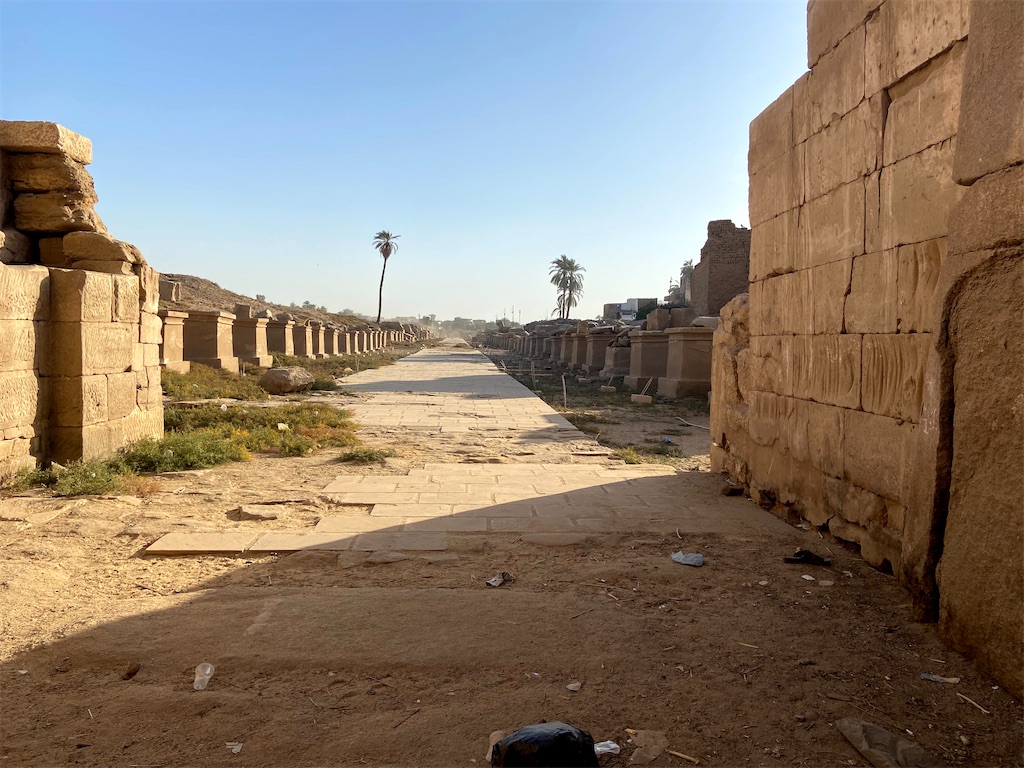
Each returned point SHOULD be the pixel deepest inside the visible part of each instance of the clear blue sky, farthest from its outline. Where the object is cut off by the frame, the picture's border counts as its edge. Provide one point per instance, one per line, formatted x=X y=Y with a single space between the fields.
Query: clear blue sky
x=262 y=144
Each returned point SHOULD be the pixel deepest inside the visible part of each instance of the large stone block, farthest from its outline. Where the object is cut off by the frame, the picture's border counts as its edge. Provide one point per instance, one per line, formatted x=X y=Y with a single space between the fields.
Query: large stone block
x=688 y=367
x=121 y=394
x=846 y=150
x=108 y=267
x=777 y=187
x=78 y=349
x=48 y=138
x=24 y=292
x=52 y=212
x=51 y=252
x=78 y=295
x=829 y=285
x=149 y=288
x=924 y=106
x=917 y=195
x=918 y=269
x=22 y=344
x=824 y=436
x=150 y=329
x=905 y=34
x=834 y=87
x=829 y=21
x=832 y=226
x=990 y=213
x=48 y=173
x=871 y=306
x=126 y=299
x=79 y=401
x=827 y=369
x=19 y=398
x=771 y=133
x=775 y=246
x=95 y=246
x=877 y=452
x=15 y=248
x=893 y=374
x=782 y=304
x=991 y=133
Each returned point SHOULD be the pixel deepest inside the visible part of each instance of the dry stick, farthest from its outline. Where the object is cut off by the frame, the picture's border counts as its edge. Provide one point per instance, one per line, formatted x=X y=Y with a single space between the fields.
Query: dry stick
x=698 y=426
x=581 y=613
x=405 y=718
x=969 y=700
x=648 y=386
x=693 y=760
x=565 y=397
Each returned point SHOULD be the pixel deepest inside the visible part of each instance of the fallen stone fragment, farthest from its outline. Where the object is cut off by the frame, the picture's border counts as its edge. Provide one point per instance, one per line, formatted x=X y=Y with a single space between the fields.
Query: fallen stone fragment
x=280 y=381
x=384 y=557
x=883 y=749
x=695 y=559
x=651 y=744
x=574 y=686
x=253 y=512
x=132 y=671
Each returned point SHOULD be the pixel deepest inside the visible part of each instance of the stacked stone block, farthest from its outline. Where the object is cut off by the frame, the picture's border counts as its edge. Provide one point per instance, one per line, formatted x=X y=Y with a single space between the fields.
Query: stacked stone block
x=79 y=370
x=209 y=340
x=249 y=338
x=172 y=341
x=884 y=307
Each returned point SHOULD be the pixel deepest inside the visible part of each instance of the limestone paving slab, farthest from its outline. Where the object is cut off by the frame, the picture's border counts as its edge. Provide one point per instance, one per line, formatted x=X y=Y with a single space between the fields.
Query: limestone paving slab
x=192 y=543
x=289 y=541
x=410 y=541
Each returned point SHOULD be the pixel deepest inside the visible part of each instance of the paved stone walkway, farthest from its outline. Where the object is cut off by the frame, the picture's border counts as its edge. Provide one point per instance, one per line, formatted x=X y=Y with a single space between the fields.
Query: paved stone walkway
x=446 y=390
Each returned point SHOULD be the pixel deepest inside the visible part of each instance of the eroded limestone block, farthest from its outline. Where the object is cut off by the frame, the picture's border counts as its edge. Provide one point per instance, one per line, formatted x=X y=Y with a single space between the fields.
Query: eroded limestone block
x=777 y=187
x=48 y=173
x=280 y=381
x=121 y=394
x=149 y=288
x=126 y=298
x=829 y=21
x=77 y=401
x=832 y=88
x=829 y=285
x=78 y=348
x=99 y=247
x=56 y=212
x=894 y=370
x=917 y=195
x=51 y=252
x=991 y=213
x=876 y=452
x=832 y=226
x=19 y=398
x=917 y=279
x=150 y=328
x=846 y=150
x=771 y=133
x=49 y=138
x=871 y=306
x=22 y=343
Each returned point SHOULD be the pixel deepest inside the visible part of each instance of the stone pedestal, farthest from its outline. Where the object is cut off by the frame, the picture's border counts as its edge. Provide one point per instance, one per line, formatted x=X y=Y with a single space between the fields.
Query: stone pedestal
x=565 y=353
x=172 y=341
x=616 y=362
x=546 y=349
x=302 y=336
x=331 y=341
x=316 y=331
x=688 y=368
x=597 y=343
x=346 y=342
x=578 y=356
x=208 y=340
x=250 y=341
x=279 y=337
x=648 y=358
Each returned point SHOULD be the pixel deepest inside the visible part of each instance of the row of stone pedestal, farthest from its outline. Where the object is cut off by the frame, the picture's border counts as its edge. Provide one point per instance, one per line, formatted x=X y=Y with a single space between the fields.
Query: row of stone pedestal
x=673 y=362
x=225 y=340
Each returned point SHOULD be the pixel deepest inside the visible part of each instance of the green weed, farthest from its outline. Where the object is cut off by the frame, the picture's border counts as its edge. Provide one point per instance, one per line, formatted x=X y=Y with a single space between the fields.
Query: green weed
x=366 y=455
x=205 y=383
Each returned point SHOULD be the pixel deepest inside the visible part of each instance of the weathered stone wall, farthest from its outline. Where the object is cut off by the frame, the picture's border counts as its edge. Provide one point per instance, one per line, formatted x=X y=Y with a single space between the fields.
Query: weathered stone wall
x=881 y=311
x=79 y=333
x=722 y=272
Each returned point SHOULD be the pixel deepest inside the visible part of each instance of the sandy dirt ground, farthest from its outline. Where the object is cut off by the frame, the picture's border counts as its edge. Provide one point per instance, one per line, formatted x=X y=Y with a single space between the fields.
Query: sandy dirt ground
x=332 y=659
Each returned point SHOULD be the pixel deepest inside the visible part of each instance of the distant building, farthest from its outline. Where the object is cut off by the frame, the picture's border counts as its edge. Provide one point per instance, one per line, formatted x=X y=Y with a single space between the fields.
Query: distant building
x=627 y=310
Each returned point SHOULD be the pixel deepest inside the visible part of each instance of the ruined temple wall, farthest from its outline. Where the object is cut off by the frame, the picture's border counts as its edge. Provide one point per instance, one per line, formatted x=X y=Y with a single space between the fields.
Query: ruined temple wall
x=722 y=272
x=851 y=187
x=79 y=333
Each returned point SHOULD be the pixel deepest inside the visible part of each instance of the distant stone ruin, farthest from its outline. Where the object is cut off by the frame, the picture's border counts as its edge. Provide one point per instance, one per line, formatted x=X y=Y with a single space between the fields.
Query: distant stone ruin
x=723 y=269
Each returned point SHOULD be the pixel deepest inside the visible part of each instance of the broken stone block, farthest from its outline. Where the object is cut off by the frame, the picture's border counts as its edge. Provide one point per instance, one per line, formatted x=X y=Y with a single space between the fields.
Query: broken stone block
x=15 y=248
x=169 y=290
x=26 y=292
x=44 y=137
x=82 y=296
x=149 y=287
x=256 y=512
x=78 y=348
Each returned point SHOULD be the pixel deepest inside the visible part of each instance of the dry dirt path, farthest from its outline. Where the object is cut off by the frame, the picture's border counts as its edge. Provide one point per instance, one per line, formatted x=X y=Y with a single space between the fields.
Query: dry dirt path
x=380 y=644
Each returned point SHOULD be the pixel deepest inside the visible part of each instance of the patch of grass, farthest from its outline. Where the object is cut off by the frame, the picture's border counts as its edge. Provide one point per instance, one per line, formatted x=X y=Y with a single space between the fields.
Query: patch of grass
x=26 y=478
x=204 y=383
x=330 y=368
x=179 y=451
x=629 y=455
x=366 y=455
x=324 y=384
x=694 y=405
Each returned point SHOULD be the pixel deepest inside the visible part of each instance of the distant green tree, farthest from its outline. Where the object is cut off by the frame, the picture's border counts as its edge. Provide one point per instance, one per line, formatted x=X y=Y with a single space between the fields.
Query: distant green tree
x=385 y=244
x=567 y=276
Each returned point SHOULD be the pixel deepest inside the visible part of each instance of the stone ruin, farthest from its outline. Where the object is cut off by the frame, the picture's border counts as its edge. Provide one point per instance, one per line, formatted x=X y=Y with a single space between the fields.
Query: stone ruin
x=871 y=382
x=723 y=269
x=79 y=333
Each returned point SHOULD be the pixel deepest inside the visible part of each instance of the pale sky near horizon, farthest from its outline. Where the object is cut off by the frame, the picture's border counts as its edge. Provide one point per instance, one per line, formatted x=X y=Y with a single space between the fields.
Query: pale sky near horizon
x=262 y=144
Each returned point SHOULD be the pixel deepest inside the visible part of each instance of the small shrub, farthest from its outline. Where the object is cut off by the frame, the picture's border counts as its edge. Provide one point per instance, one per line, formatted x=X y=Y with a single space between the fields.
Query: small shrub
x=27 y=478
x=695 y=405
x=92 y=478
x=324 y=384
x=180 y=451
x=366 y=455
x=204 y=383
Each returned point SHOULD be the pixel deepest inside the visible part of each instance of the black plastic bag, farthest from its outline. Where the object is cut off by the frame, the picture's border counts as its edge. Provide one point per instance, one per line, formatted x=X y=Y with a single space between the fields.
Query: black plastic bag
x=545 y=745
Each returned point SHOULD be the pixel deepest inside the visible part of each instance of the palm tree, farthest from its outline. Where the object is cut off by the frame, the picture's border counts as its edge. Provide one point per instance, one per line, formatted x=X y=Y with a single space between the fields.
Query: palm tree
x=385 y=243
x=567 y=276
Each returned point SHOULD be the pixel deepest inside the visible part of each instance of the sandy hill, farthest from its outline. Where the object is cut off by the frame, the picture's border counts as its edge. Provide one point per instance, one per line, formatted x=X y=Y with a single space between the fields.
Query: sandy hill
x=197 y=293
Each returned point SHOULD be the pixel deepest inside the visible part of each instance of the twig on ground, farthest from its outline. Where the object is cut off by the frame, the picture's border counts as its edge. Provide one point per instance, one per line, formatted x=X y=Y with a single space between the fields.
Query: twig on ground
x=405 y=718
x=969 y=700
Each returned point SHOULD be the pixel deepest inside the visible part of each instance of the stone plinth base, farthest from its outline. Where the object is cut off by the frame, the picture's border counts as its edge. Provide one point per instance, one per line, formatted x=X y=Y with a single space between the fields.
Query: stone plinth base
x=263 y=361
x=227 y=363
x=640 y=382
x=178 y=366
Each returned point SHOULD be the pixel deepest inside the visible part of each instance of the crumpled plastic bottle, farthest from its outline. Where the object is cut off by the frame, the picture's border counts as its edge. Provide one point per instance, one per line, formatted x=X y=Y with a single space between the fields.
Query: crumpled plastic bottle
x=203 y=674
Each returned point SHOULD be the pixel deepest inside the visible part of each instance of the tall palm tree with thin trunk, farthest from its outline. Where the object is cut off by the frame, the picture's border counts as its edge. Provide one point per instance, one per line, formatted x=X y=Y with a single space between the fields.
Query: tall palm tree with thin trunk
x=385 y=243
x=567 y=276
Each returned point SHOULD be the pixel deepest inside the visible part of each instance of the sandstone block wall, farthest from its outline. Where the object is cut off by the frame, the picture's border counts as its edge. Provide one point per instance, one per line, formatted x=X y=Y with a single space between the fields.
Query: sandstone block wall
x=723 y=269
x=79 y=333
x=874 y=282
